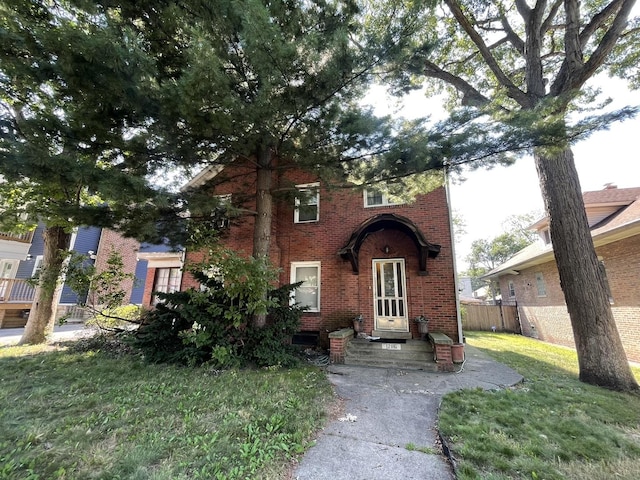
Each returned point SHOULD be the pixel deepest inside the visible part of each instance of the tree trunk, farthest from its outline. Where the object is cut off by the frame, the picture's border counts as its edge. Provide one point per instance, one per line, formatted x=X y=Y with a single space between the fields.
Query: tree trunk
x=264 y=216
x=45 y=302
x=601 y=358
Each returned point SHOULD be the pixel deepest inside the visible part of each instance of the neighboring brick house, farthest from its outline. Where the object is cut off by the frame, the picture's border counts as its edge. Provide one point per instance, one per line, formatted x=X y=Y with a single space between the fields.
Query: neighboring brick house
x=356 y=252
x=21 y=261
x=531 y=278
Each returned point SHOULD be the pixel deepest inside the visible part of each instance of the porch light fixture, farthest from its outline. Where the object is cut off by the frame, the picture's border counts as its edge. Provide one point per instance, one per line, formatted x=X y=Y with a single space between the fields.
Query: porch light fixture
x=386 y=249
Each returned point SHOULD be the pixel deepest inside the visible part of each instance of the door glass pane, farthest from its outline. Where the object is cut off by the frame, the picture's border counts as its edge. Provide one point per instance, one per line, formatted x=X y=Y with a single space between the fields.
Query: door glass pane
x=379 y=307
x=389 y=280
x=386 y=308
x=378 y=281
x=394 y=309
x=399 y=270
x=401 y=305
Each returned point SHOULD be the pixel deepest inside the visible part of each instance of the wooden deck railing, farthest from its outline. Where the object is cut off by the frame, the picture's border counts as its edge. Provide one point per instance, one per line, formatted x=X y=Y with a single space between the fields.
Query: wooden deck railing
x=13 y=290
x=17 y=237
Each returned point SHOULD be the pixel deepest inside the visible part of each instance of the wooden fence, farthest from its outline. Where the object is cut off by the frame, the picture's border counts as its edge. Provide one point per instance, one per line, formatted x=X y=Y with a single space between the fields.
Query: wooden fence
x=501 y=318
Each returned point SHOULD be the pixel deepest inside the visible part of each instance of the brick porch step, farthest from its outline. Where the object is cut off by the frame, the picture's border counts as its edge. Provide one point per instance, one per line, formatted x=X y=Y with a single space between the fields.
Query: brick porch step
x=413 y=355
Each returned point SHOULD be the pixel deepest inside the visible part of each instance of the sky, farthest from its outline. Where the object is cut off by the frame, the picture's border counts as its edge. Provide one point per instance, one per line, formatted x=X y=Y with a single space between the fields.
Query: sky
x=487 y=197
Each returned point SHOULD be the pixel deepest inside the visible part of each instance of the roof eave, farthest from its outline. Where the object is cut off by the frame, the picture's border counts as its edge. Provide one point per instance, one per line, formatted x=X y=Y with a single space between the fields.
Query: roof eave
x=610 y=236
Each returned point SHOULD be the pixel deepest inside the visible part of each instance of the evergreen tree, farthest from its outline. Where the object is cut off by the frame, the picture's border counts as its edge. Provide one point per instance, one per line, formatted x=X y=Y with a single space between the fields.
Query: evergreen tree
x=521 y=68
x=273 y=85
x=73 y=137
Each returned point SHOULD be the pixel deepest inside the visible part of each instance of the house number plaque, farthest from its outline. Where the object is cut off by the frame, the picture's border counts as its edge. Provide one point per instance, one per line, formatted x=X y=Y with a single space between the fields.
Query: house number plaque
x=391 y=346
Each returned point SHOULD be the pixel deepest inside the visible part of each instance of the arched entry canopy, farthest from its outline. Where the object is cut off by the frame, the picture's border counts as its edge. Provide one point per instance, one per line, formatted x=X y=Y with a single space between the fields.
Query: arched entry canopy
x=394 y=222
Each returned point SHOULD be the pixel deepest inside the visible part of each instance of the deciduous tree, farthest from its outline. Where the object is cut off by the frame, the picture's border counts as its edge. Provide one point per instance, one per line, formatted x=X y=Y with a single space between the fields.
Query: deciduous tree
x=525 y=67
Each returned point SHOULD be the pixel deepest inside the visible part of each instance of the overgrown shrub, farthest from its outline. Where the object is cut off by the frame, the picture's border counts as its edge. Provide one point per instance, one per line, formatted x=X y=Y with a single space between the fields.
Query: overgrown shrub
x=214 y=324
x=116 y=318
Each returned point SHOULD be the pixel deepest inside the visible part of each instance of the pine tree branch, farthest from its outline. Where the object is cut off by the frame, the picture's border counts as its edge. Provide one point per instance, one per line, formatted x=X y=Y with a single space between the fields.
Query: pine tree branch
x=548 y=22
x=512 y=36
x=512 y=90
x=569 y=80
x=523 y=9
x=470 y=95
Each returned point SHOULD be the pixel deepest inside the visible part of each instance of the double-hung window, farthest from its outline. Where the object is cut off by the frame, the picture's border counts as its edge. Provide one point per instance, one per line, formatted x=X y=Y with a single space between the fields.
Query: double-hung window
x=375 y=198
x=307 y=203
x=308 y=293
x=167 y=281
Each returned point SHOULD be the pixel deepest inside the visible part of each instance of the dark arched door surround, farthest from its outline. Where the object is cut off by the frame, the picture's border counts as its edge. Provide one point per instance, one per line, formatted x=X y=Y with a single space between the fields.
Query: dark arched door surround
x=393 y=222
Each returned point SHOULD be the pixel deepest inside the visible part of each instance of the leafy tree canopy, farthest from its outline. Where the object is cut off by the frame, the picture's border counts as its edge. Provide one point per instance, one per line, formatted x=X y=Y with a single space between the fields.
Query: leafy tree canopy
x=74 y=112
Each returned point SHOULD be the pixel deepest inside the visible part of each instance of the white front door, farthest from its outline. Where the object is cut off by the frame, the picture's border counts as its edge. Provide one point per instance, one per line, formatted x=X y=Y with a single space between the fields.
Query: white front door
x=390 y=297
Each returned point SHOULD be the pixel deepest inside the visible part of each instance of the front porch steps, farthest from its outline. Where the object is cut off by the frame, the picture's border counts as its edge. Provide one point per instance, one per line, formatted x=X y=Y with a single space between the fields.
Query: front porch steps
x=413 y=355
x=385 y=334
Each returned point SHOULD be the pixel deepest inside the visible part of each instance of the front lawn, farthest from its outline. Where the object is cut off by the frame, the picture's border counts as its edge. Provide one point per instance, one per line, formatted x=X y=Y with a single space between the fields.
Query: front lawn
x=550 y=427
x=72 y=415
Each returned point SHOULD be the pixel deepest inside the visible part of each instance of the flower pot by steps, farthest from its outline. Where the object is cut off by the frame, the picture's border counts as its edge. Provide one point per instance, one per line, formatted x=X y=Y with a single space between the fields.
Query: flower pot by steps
x=457 y=353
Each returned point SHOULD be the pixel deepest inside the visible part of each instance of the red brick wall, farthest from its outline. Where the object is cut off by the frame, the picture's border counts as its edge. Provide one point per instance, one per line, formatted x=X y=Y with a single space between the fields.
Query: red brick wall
x=344 y=294
x=126 y=247
x=547 y=317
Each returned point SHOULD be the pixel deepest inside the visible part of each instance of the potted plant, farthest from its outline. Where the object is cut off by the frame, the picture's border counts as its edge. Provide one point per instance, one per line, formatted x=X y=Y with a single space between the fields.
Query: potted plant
x=423 y=325
x=357 y=324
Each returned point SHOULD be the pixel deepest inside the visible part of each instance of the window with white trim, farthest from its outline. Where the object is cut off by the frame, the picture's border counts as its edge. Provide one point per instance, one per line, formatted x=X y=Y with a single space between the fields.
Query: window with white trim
x=375 y=198
x=545 y=235
x=167 y=281
x=307 y=294
x=512 y=289
x=541 y=286
x=307 y=204
x=37 y=266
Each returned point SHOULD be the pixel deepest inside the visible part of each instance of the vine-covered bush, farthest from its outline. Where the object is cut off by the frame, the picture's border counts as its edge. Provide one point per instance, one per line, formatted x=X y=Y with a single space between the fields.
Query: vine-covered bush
x=214 y=324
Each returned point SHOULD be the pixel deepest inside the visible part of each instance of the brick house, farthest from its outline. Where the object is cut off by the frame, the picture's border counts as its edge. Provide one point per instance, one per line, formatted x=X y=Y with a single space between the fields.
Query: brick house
x=356 y=252
x=530 y=278
x=21 y=258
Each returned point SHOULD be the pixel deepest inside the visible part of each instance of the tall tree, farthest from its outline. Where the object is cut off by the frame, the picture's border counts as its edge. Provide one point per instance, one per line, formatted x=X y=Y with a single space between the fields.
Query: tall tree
x=72 y=123
x=525 y=65
x=270 y=84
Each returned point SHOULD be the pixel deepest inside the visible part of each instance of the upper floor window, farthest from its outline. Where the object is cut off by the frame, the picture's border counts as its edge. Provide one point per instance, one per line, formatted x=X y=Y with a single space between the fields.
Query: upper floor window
x=374 y=198
x=541 y=286
x=307 y=204
x=221 y=212
x=546 y=236
x=37 y=266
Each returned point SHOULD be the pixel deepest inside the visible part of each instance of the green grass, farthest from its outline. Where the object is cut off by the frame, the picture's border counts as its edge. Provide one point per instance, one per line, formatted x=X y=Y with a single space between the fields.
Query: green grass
x=552 y=426
x=69 y=415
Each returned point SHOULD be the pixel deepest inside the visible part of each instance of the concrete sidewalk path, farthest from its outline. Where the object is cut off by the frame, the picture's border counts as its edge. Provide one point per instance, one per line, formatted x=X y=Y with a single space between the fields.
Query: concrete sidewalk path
x=390 y=414
x=68 y=331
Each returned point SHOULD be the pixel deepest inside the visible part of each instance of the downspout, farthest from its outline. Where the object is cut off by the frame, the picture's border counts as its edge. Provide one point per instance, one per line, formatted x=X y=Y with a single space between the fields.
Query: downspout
x=453 y=252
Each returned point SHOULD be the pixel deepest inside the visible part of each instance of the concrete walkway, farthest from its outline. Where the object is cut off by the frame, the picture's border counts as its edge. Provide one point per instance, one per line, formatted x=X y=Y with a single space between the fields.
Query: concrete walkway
x=69 y=331
x=389 y=414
